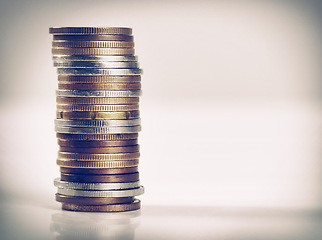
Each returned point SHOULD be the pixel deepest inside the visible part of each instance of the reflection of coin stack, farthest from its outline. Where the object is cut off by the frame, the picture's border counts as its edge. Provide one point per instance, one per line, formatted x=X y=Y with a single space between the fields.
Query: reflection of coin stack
x=98 y=120
x=71 y=225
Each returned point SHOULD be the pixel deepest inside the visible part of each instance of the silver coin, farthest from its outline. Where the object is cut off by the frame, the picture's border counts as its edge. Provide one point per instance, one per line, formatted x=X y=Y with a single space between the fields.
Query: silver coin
x=95 y=186
x=124 y=58
x=97 y=130
x=101 y=193
x=94 y=64
x=97 y=123
x=98 y=93
x=99 y=71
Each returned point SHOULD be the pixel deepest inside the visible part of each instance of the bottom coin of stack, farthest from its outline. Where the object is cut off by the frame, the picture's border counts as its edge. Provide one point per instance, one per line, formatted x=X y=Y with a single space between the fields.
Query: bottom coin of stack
x=98 y=174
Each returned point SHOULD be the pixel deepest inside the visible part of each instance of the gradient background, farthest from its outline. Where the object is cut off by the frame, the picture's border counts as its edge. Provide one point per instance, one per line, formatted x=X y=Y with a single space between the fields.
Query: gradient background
x=231 y=105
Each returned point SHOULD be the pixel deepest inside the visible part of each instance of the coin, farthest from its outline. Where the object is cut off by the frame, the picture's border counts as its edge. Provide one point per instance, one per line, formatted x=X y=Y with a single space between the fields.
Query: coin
x=97 y=123
x=93 y=44
x=111 y=193
x=97 y=164
x=109 y=37
x=99 y=137
x=92 y=51
x=92 y=201
x=99 y=108
x=98 y=115
x=99 y=79
x=98 y=157
x=95 y=64
x=96 y=144
x=98 y=86
x=99 y=71
x=123 y=149
x=98 y=93
x=99 y=170
x=136 y=205
x=97 y=130
x=95 y=186
x=103 y=79
x=97 y=58
x=107 y=178
x=90 y=30
x=97 y=100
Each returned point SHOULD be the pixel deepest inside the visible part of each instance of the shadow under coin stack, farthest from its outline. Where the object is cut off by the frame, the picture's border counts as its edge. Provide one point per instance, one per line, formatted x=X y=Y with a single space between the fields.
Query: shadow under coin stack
x=98 y=118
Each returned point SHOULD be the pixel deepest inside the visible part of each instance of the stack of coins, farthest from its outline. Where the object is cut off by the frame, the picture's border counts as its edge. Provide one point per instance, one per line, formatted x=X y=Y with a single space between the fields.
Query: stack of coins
x=98 y=118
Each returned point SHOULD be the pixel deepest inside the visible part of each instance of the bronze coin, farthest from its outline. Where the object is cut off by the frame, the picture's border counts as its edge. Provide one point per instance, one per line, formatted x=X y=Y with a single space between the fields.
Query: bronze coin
x=100 y=178
x=108 y=37
x=135 y=205
x=92 y=201
x=96 y=144
x=99 y=137
x=99 y=170
x=128 y=149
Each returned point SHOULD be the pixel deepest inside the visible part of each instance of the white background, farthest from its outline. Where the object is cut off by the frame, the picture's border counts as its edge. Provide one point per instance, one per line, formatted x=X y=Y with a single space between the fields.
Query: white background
x=230 y=108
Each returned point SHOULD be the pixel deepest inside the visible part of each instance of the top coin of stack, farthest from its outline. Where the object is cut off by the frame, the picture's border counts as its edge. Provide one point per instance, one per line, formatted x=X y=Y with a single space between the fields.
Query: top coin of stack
x=98 y=118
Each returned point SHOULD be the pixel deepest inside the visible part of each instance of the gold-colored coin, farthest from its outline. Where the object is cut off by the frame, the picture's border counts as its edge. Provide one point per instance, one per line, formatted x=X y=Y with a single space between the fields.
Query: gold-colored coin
x=97 y=137
x=92 y=200
x=89 y=171
x=90 y=30
x=99 y=79
x=93 y=51
x=98 y=156
x=97 y=164
x=122 y=149
x=98 y=115
x=124 y=207
x=97 y=108
x=96 y=144
x=108 y=37
x=96 y=100
x=99 y=86
x=93 y=44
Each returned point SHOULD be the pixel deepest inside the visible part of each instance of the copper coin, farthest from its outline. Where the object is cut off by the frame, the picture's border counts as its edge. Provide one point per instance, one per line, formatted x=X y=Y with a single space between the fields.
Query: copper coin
x=103 y=208
x=99 y=86
x=103 y=137
x=100 y=178
x=127 y=149
x=99 y=79
x=96 y=144
x=92 y=201
x=90 y=171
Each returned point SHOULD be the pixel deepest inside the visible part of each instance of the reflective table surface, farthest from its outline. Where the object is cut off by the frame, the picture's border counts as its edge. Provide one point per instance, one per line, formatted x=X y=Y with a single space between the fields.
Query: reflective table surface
x=27 y=221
